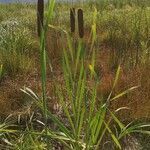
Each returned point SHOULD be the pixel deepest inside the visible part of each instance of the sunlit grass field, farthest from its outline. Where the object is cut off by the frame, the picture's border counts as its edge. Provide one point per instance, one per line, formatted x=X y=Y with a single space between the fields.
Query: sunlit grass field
x=61 y=91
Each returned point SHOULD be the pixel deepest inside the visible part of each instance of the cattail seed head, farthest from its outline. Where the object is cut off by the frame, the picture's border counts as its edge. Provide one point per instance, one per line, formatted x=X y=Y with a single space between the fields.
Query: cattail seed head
x=40 y=16
x=80 y=23
x=72 y=20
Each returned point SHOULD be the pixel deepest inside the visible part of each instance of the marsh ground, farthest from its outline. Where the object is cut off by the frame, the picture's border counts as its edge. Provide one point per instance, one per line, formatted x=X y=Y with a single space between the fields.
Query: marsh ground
x=123 y=37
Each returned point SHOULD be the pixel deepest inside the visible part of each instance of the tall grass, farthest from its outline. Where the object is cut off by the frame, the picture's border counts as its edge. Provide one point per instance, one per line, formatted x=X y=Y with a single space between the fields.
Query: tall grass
x=15 y=43
x=126 y=33
x=87 y=118
x=118 y=4
x=122 y=30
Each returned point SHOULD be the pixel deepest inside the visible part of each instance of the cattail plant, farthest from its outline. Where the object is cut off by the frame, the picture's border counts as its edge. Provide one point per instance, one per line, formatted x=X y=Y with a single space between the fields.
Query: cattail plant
x=40 y=15
x=80 y=23
x=72 y=20
x=1 y=71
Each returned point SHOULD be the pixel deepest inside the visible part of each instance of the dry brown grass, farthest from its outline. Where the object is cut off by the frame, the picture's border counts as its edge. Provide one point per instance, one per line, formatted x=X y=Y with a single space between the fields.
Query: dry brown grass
x=137 y=101
x=12 y=100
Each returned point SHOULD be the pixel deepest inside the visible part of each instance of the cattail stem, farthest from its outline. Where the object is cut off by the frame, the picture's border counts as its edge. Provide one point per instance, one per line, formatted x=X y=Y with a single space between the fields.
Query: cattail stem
x=80 y=23
x=40 y=16
x=72 y=20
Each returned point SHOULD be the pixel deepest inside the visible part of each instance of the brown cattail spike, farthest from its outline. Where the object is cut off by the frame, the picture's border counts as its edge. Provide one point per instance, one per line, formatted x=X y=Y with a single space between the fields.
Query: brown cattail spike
x=72 y=19
x=40 y=16
x=80 y=23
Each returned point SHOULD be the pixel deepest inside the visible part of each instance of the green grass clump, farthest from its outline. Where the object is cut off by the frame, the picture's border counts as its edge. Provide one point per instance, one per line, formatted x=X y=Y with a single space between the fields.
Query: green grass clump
x=15 y=43
x=126 y=30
